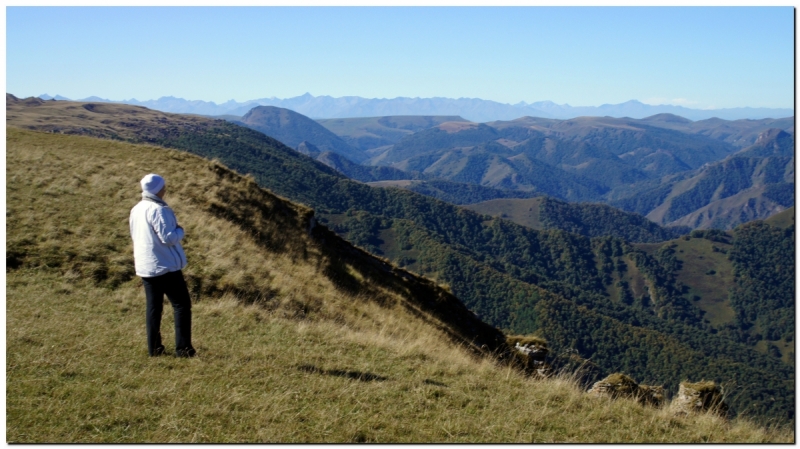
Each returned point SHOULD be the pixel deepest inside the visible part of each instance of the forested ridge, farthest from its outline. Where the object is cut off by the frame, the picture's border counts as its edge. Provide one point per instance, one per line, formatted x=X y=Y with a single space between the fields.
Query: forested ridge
x=637 y=165
x=570 y=289
x=595 y=220
x=463 y=193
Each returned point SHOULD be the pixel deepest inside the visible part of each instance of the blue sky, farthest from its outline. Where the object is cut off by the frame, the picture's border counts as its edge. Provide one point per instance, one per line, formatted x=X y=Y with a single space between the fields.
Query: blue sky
x=708 y=57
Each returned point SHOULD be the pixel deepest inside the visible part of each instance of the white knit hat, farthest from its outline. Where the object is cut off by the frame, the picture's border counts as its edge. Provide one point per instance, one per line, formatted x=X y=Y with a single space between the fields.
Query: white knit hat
x=152 y=183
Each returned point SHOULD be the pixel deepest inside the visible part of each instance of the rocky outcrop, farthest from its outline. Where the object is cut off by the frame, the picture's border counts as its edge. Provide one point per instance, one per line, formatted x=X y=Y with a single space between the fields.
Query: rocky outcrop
x=651 y=395
x=582 y=371
x=532 y=354
x=699 y=397
x=619 y=385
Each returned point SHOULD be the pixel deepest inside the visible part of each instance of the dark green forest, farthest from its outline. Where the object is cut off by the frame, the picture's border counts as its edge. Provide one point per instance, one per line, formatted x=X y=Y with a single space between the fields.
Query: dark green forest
x=763 y=295
x=595 y=220
x=462 y=193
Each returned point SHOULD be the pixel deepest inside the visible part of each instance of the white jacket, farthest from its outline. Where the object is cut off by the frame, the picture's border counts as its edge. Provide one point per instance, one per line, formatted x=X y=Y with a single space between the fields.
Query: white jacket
x=156 y=238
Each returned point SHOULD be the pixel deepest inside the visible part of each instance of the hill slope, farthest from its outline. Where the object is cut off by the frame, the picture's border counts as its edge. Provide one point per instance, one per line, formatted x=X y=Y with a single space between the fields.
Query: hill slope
x=753 y=183
x=245 y=246
x=292 y=128
x=739 y=133
x=578 y=292
x=292 y=348
x=742 y=280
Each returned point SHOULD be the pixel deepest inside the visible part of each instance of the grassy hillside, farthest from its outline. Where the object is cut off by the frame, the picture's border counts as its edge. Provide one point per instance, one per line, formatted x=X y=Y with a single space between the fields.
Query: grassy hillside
x=300 y=339
x=569 y=288
x=782 y=219
x=521 y=211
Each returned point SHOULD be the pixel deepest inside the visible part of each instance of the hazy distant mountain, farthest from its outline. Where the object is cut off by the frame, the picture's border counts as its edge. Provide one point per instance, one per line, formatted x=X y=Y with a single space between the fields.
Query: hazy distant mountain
x=179 y=105
x=636 y=109
x=366 y=133
x=474 y=109
x=292 y=129
x=739 y=133
x=601 y=147
x=579 y=159
x=57 y=97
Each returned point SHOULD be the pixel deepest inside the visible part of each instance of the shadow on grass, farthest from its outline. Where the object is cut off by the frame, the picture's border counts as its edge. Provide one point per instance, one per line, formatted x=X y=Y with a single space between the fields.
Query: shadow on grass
x=355 y=375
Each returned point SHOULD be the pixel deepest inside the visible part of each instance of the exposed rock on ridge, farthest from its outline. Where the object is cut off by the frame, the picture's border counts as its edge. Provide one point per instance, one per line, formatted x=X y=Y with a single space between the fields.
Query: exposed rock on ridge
x=619 y=385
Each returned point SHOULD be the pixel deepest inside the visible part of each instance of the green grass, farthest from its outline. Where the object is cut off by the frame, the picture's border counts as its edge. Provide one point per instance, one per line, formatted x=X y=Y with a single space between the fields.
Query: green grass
x=285 y=353
x=698 y=259
x=523 y=212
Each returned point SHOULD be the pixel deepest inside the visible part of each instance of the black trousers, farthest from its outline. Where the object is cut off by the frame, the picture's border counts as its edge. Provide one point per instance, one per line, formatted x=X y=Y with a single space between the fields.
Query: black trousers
x=174 y=286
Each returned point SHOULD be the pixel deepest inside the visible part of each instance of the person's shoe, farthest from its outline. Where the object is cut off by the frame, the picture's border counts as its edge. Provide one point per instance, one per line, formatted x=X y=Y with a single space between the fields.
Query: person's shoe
x=158 y=351
x=186 y=352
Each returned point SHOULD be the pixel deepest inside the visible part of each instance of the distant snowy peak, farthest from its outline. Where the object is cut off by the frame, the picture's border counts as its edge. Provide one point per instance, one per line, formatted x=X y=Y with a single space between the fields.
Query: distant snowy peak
x=474 y=109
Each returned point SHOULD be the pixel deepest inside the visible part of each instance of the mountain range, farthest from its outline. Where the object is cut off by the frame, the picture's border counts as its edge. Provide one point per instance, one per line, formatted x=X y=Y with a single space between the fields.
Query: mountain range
x=755 y=182
x=651 y=166
x=623 y=306
x=473 y=109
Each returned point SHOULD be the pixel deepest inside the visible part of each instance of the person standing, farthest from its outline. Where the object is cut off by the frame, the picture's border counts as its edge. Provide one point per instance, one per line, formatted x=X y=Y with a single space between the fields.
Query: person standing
x=159 y=260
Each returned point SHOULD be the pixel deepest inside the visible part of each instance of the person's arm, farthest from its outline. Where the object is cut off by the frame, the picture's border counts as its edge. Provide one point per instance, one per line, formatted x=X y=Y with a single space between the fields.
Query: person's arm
x=166 y=226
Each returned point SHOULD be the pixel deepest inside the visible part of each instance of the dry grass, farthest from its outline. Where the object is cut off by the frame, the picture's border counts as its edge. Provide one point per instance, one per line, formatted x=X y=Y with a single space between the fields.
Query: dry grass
x=454 y=127
x=286 y=354
x=77 y=372
x=107 y=120
x=782 y=219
